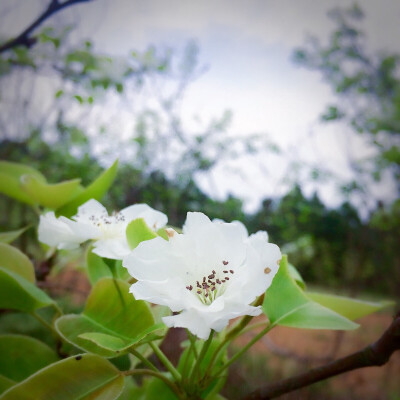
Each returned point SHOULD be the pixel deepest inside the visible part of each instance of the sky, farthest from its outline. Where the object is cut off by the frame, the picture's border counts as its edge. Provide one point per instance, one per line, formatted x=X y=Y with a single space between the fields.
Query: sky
x=247 y=49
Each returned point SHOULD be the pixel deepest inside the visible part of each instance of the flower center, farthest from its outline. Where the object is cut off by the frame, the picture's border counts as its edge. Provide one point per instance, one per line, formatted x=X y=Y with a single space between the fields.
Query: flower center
x=110 y=225
x=212 y=285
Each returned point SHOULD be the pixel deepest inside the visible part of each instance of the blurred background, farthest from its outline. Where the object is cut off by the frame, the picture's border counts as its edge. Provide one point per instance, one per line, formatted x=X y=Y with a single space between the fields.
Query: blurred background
x=283 y=115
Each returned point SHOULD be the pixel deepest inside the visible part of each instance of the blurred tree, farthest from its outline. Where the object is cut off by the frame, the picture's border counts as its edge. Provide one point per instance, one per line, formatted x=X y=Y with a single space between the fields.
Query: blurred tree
x=367 y=86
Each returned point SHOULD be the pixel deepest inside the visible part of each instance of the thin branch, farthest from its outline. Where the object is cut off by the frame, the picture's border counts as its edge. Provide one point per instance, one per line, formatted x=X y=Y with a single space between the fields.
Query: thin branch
x=376 y=354
x=24 y=38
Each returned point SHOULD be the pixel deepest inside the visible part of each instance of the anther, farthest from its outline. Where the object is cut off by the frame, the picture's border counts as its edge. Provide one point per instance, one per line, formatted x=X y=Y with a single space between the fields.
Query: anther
x=213 y=272
x=227 y=278
x=225 y=262
x=231 y=271
x=211 y=276
x=199 y=292
x=267 y=270
x=213 y=288
x=225 y=272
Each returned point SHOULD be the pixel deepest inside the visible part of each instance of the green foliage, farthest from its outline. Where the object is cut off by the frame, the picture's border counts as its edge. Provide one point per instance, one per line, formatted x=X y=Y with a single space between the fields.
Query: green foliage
x=97 y=268
x=85 y=377
x=96 y=190
x=21 y=356
x=10 y=180
x=50 y=195
x=349 y=308
x=108 y=329
x=17 y=293
x=14 y=260
x=10 y=236
x=286 y=304
x=368 y=81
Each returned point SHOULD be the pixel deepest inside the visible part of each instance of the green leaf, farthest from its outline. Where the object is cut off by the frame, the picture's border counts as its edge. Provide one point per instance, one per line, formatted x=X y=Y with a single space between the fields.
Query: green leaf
x=14 y=260
x=348 y=307
x=295 y=274
x=96 y=267
x=10 y=236
x=50 y=195
x=112 y=321
x=10 y=183
x=5 y=383
x=286 y=304
x=83 y=377
x=96 y=190
x=138 y=231
x=21 y=356
x=17 y=293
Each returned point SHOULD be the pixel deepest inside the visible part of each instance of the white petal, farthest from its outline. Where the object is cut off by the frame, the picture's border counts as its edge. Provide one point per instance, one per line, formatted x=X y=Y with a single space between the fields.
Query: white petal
x=170 y=292
x=55 y=232
x=154 y=260
x=86 y=210
x=115 y=248
x=154 y=219
x=194 y=221
x=191 y=320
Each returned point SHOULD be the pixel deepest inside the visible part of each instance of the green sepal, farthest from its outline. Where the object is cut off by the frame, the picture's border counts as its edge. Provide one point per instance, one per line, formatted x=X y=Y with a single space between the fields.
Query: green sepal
x=138 y=231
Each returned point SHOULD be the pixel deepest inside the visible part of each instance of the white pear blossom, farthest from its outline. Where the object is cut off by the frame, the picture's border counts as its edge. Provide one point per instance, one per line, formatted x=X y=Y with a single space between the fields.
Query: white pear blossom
x=211 y=272
x=93 y=222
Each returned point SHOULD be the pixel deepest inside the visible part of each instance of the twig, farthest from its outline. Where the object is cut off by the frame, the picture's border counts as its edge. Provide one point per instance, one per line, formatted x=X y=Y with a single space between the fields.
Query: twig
x=375 y=354
x=24 y=38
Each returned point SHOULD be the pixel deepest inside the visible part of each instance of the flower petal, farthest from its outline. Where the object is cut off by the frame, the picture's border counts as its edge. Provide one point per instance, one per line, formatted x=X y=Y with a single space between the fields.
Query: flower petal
x=57 y=232
x=154 y=219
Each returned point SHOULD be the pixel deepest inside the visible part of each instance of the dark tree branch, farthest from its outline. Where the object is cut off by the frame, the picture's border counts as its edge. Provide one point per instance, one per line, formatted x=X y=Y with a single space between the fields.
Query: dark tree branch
x=376 y=354
x=24 y=38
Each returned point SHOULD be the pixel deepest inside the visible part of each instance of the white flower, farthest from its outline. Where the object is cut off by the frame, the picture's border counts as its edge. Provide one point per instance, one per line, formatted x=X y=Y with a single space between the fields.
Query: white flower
x=93 y=222
x=211 y=272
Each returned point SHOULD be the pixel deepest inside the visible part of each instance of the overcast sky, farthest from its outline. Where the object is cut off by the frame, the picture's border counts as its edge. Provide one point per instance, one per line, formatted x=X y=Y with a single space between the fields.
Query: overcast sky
x=247 y=47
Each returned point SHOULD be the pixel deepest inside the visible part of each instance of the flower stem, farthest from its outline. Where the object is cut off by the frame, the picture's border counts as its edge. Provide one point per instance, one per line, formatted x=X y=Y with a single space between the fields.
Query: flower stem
x=203 y=352
x=156 y=374
x=167 y=364
x=244 y=349
x=144 y=360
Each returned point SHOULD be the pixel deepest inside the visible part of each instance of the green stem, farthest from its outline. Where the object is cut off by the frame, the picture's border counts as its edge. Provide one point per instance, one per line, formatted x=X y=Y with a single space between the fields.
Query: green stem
x=144 y=360
x=156 y=374
x=162 y=357
x=203 y=352
x=244 y=349
x=192 y=343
